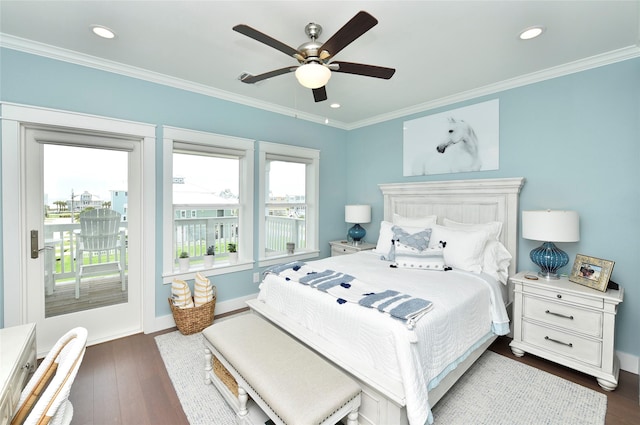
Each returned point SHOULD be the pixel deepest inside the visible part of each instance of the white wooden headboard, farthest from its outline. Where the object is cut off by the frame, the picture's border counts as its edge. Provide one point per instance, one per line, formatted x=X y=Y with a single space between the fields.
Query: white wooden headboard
x=465 y=201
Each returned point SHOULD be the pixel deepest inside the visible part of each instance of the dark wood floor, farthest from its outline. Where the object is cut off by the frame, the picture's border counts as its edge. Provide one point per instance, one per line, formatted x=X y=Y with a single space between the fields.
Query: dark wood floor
x=125 y=382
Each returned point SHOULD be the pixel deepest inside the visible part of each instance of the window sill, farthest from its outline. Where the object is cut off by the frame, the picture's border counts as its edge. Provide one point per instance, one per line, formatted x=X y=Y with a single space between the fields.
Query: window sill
x=286 y=258
x=221 y=268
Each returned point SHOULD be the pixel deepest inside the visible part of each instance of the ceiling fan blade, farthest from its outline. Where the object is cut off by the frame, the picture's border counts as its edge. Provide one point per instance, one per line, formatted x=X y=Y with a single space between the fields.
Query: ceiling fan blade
x=250 y=79
x=320 y=94
x=362 y=69
x=353 y=29
x=265 y=39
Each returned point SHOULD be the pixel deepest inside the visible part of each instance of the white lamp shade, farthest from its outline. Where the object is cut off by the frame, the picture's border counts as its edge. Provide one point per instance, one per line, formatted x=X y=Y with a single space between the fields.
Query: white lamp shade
x=313 y=75
x=357 y=214
x=551 y=226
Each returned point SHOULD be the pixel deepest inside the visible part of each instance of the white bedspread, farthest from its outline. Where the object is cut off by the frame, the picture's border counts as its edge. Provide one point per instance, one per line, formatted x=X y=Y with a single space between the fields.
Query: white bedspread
x=464 y=307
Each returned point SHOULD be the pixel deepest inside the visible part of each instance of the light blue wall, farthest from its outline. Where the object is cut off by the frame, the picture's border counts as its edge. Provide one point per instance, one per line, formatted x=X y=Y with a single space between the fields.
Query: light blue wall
x=33 y=80
x=576 y=140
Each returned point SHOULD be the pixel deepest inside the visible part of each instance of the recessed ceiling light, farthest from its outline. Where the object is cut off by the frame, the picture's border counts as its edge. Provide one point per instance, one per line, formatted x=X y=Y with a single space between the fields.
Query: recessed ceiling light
x=103 y=32
x=531 y=32
x=335 y=105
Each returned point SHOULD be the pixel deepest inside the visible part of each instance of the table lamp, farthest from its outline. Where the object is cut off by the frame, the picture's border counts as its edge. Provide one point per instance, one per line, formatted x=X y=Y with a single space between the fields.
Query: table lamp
x=357 y=214
x=550 y=226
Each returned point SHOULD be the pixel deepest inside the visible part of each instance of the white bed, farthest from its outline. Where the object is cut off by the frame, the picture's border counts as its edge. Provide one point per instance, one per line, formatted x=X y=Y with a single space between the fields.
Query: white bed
x=380 y=352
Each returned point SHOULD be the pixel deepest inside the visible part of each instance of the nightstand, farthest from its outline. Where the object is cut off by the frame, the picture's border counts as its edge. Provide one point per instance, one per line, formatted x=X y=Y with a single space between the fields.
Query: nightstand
x=567 y=323
x=344 y=247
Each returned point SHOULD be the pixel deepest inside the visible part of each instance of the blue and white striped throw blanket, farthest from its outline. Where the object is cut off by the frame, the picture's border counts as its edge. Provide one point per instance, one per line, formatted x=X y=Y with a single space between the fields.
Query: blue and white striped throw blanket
x=346 y=288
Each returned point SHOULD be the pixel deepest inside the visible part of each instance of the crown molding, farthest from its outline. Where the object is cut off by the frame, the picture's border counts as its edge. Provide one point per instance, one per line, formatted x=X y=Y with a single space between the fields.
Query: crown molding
x=608 y=58
x=45 y=50
x=70 y=56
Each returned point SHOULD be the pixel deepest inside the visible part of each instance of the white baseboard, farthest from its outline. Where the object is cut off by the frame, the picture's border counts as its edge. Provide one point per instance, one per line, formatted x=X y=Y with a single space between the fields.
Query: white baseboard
x=628 y=362
x=165 y=322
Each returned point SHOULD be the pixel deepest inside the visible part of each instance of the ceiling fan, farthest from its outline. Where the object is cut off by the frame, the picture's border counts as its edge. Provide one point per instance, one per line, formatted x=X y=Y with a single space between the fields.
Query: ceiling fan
x=314 y=69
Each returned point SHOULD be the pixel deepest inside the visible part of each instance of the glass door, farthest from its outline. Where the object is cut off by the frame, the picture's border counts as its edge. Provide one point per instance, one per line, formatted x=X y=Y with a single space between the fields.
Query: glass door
x=81 y=255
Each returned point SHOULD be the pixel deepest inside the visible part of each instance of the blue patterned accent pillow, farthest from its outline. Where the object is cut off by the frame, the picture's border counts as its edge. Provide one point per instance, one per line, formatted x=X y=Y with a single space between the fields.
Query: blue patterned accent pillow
x=419 y=240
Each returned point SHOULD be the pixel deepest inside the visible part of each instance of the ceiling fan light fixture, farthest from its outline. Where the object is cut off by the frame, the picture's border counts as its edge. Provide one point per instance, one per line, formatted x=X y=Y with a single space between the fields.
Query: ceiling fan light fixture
x=313 y=75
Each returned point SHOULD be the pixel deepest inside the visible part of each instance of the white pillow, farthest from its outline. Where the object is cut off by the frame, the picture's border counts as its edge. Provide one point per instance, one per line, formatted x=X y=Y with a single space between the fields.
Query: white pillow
x=413 y=258
x=423 y=222
x=464 y=249
x=493 y=227
x=496 y=261
x=496 y=258
x=386 y=235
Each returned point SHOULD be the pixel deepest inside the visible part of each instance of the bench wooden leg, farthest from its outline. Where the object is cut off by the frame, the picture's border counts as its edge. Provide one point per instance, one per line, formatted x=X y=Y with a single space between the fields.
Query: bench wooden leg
x=207 y=366
x=352 y=418
x=243 y=398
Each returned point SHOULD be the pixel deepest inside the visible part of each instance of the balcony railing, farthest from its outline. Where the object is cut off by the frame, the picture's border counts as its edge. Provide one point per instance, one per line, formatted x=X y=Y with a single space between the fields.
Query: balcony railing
x=192 y=235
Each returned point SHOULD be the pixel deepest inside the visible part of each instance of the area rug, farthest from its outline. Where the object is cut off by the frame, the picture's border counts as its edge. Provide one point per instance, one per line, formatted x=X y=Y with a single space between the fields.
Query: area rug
x=496 y=390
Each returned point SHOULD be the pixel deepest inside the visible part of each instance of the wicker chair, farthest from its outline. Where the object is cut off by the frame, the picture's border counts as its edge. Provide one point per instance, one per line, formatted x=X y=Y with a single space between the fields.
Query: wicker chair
x=45 y=398
x=100 y=232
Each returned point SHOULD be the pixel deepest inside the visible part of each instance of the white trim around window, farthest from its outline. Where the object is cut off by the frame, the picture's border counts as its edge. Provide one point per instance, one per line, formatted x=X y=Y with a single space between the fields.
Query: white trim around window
x=311 y=158
x=209 y=144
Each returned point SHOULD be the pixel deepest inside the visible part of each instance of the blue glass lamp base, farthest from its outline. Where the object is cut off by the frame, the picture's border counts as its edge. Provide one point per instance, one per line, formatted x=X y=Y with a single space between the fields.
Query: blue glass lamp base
x=549 y=258
x=356 y=233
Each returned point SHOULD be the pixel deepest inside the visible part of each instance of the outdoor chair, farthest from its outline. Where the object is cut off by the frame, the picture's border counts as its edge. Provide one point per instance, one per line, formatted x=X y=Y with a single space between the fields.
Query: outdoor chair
x=100 y=234
x=45 y=398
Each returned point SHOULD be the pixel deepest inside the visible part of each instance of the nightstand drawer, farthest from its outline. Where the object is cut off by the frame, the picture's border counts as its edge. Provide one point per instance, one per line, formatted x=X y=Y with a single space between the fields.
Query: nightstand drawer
x=342 y=250
x=563 y=315
x=596 y=302
x=563 y=343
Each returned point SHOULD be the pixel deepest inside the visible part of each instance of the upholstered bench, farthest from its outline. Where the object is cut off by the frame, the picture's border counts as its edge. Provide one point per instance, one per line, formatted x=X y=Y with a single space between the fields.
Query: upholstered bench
x=289 y=382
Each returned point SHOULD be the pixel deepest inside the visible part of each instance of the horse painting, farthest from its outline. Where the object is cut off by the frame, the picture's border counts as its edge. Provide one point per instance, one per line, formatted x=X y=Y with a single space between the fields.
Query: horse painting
x=460 y=135
x=460 y=140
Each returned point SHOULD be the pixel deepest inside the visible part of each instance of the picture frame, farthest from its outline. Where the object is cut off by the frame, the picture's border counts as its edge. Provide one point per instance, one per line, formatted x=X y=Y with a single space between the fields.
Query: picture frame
x=592 y=272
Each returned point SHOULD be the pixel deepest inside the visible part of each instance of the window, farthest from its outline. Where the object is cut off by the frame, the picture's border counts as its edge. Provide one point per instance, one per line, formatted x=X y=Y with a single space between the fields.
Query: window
x=208 y=199
x=289 y=200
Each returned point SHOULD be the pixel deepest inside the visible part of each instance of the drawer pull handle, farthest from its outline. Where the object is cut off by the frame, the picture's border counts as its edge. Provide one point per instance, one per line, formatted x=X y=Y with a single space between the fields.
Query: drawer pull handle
x=570 y=345
x=559 y=315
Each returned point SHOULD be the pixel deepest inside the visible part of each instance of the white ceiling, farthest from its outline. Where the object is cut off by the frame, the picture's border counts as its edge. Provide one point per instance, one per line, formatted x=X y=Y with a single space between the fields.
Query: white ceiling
x=443 y=51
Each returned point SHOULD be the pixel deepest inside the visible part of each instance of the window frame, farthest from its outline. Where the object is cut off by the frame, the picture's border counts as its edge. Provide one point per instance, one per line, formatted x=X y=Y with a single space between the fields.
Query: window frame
x=311 y=157
x=208 y=142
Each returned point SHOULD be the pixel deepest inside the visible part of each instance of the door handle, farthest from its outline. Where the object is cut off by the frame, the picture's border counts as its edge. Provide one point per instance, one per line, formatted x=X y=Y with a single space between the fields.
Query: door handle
x=34 y=244
x=35 y=251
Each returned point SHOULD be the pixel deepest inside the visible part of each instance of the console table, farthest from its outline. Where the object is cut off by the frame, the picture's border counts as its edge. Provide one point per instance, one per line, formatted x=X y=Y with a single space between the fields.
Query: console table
x=17 y=364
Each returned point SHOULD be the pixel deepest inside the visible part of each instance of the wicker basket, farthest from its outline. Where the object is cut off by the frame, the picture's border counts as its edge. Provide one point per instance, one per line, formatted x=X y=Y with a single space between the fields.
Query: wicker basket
x=223 y=374
x=195 y=319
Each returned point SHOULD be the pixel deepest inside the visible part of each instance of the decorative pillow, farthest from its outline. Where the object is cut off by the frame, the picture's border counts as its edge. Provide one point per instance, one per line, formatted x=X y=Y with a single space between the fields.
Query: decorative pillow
x=496 y=261
x=413 y=258
x=418 y=240
x=423 y=222
x=181 y=294
x=202 y=290
x=464 y=249
x=383 y=247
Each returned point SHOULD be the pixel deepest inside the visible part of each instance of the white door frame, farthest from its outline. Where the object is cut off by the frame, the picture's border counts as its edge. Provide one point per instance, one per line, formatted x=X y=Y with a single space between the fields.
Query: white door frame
x=14 y=237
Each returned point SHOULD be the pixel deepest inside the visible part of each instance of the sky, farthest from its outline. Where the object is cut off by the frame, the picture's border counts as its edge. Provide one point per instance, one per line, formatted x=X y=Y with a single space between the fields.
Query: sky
x=98 y=171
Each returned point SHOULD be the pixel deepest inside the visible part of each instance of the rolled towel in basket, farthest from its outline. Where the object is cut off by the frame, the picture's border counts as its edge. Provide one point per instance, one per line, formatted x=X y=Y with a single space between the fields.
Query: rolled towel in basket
x=202 y=290
x=181 y=294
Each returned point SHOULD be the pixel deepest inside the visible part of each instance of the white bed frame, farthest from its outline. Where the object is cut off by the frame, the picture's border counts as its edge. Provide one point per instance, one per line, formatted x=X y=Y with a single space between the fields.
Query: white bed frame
x=466 y=201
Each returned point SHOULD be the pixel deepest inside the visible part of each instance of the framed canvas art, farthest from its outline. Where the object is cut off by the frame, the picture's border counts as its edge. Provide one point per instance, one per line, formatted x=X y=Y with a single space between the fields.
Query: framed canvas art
x=460 y=140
